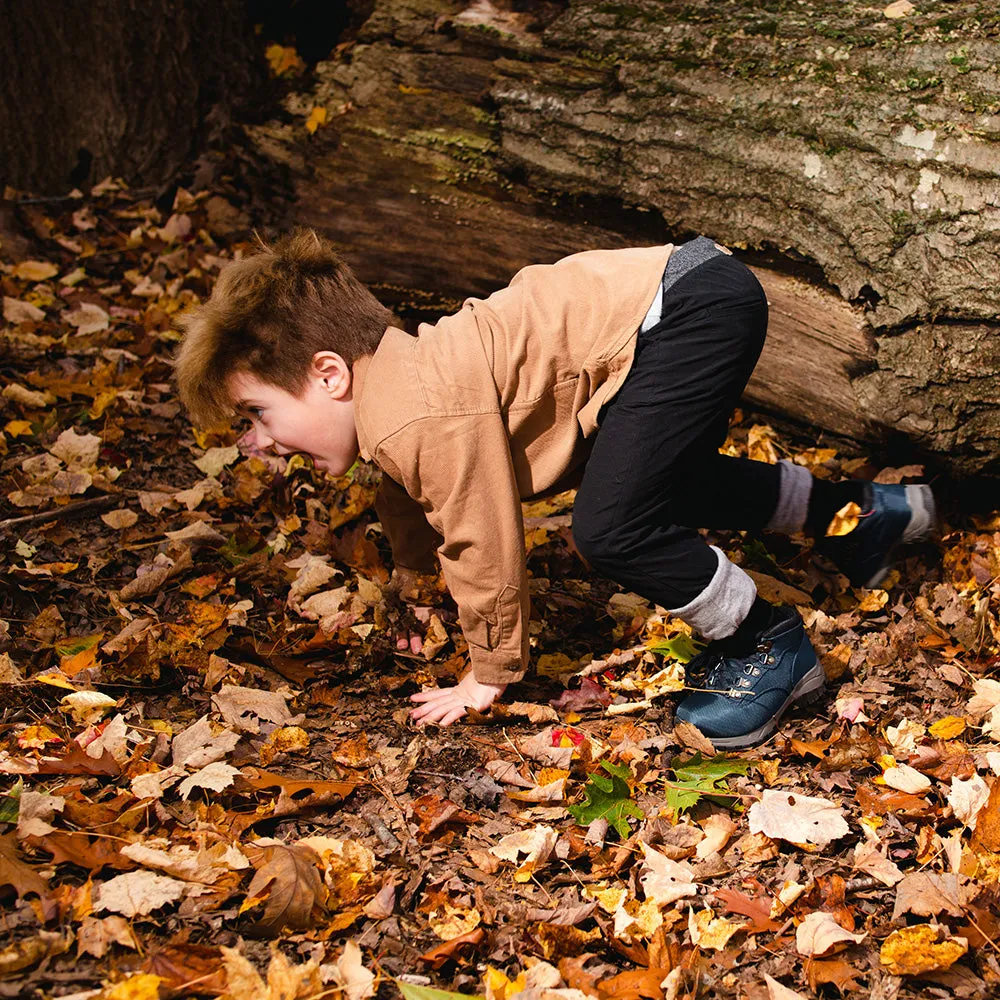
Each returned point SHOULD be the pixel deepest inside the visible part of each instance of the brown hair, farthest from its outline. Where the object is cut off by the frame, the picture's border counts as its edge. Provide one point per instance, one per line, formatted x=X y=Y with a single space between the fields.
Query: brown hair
x=268 y=314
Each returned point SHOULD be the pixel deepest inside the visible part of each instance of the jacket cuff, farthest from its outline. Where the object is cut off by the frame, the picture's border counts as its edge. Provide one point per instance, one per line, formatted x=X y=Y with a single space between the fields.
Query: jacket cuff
x=490 y=668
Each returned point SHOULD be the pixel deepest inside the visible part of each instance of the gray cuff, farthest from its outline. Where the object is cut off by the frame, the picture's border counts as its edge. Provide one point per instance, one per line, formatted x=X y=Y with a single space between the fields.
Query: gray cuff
x=721 y=607
x=794 y=489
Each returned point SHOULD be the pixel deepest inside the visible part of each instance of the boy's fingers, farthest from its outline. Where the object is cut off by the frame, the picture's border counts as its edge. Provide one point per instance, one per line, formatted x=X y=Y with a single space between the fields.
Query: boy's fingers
x=416 y=643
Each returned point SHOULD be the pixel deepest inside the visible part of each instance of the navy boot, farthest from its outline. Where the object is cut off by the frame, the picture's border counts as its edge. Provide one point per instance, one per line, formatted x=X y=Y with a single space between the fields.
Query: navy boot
x=745 y=692
x=890 y=516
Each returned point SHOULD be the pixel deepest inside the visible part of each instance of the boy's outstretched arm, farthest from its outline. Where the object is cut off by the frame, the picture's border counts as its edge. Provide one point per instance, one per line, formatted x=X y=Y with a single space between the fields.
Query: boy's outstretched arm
x=459 y=469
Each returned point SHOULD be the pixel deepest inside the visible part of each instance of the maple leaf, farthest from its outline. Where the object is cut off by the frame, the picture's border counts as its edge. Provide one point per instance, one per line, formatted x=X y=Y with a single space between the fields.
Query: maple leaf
x=699 y=778
x=608 y=797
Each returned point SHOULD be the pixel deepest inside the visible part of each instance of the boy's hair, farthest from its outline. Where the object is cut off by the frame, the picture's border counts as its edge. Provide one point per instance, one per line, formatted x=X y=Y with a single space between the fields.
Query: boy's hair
x=268 y=314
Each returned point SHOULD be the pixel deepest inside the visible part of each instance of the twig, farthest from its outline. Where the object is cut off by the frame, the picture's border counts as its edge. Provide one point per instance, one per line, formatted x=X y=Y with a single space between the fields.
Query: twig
x=70 y=510
x=383 y=832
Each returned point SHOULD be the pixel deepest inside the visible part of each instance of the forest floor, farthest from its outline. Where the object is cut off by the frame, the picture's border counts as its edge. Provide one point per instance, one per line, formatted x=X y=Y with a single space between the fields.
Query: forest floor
x=211 y=786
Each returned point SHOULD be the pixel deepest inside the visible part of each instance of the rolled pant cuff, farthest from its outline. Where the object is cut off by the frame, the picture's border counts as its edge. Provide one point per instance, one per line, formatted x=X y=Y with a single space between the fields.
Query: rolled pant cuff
x=721 y=607
x=794 y=490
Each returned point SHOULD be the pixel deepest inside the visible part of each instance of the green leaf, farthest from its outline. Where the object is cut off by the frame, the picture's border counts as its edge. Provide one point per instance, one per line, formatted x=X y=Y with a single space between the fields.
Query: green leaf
x=10 y=804
x=608 y=797
x=411 y=992
x=681 y=648
x=74 y=644
x=699 y=778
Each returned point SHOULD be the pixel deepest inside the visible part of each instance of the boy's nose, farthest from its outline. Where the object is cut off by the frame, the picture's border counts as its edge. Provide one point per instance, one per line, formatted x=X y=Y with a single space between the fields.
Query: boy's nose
x=254 y=440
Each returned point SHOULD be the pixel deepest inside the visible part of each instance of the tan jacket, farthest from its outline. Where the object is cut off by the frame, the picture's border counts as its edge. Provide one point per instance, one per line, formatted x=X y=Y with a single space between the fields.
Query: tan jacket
x=491 y=406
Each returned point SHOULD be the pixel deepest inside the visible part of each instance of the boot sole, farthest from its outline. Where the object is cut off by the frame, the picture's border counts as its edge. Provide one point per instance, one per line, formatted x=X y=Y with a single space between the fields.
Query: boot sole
x=809 y=689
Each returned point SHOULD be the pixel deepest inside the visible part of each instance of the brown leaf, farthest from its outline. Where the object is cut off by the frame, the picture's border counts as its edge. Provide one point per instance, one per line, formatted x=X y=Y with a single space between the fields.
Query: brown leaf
x=831 y=970
x=296 y=794
x=927 y=894
x=757 y=908
x=693 y=738
x=433 y=812
x=289 y=883
x=79 y=848
x=882 y=803
x=987 y=832
x=195 y=967
x=576 y=977
x=854 y=750
x=455 y=949
x=76 y=761
x=632 y=985
x=17 y=873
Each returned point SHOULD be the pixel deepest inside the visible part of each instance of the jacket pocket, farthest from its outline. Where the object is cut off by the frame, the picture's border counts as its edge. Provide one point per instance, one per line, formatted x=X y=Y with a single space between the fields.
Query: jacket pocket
x=495 y=629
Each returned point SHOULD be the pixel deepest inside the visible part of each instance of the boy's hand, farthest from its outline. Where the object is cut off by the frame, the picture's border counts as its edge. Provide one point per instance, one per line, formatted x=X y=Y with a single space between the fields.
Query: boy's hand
x=445 y=705
x=408 y=586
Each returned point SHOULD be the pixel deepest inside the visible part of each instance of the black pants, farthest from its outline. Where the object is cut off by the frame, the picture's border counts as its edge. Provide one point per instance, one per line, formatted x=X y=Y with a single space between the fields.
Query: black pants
x=655 y=472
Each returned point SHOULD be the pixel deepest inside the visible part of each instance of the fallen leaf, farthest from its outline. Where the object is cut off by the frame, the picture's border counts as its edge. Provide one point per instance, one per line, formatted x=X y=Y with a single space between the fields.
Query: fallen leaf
x=927 y=894
x=800 y=819
x=967 y=799
x=137 y=893
x=665 y=881
x=288 y=883
x=537 y=843
x=34 y=270
x=921 y=948
x=819 y=933
x=776 y=991
x=709 y=931
x=904 y=778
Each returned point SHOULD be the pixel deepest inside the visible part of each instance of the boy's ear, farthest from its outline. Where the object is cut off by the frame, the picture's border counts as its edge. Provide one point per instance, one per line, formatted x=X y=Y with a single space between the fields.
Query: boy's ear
x=334 y=373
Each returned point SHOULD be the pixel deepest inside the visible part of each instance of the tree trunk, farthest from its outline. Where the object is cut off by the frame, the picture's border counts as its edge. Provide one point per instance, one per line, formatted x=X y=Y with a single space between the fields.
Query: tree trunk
x=846 y=155
x=114 y=87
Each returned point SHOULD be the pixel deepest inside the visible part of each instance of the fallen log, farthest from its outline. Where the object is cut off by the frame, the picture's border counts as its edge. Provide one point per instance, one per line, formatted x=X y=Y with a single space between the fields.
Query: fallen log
x=847 y=156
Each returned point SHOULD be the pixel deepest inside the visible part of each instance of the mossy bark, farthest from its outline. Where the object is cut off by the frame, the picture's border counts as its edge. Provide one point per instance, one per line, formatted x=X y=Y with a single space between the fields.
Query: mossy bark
x=852 y=157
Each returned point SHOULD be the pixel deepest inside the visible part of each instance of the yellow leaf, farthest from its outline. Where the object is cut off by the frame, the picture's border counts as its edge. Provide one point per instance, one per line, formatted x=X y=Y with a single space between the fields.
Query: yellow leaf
x=407 y=89
x=499 y=987
x=284 y=60
x=914 y=950
x=141 y=986
x=18 y=428
x=319 y=116
x=34 y=270
x=36 y=737
x=873 y=600
x=760 y=444
x=844 y=521
x=555 y=665
x=56 y=679
x=948 y=728
x=284 y=740
x=709 y=931
x=453 y=921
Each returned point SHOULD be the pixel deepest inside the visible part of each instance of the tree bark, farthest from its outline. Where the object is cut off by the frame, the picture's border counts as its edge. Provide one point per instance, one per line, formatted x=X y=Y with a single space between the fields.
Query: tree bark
x=114 y=87
x=847 y=155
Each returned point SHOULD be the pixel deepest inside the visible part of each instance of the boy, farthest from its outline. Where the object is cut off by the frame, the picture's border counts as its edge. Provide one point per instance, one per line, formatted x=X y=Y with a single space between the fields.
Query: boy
x=614 y=368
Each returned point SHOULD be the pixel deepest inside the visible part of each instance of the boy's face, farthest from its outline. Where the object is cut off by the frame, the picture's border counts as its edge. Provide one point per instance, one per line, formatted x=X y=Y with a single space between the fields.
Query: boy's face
x=318 y=422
